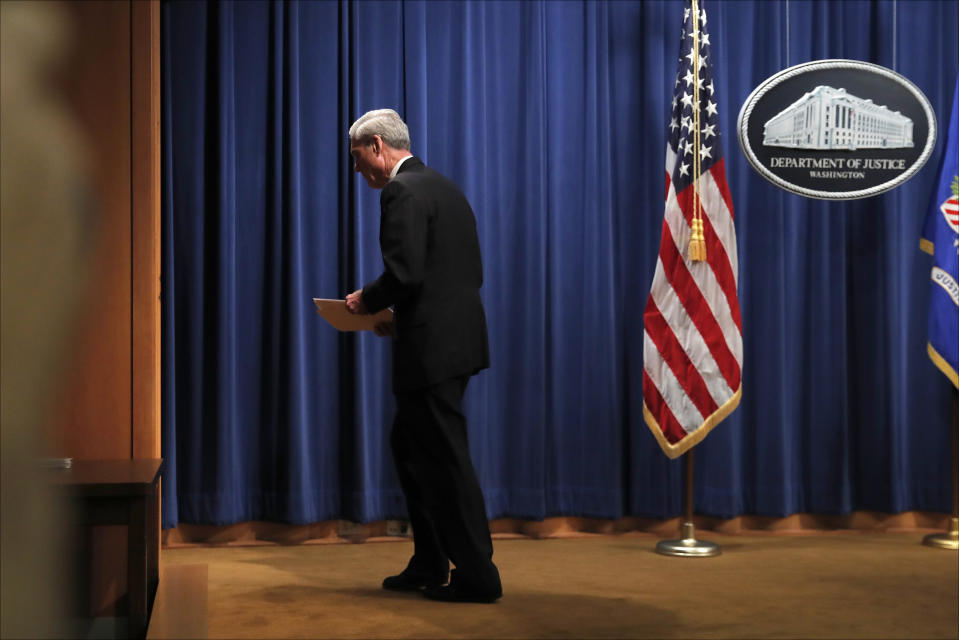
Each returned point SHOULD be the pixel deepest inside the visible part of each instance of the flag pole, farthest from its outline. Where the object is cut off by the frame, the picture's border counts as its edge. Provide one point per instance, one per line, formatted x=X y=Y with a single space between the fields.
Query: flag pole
x=950 y=539
x=688 y=546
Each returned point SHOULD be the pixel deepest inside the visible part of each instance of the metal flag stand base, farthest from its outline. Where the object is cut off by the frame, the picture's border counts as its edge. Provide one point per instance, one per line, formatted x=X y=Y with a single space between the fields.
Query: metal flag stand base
x=688 y=546
x=950 y=539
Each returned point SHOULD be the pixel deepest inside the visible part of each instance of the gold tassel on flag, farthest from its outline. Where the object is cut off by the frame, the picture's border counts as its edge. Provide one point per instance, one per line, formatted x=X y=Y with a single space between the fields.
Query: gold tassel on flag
x=697 y=241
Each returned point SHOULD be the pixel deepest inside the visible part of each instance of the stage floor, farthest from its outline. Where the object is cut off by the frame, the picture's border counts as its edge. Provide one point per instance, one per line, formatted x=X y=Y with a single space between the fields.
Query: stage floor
x=833 y=585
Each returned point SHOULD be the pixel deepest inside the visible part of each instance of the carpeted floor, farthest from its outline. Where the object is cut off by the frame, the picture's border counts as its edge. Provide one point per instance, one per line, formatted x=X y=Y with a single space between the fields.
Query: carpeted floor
x=837 y=585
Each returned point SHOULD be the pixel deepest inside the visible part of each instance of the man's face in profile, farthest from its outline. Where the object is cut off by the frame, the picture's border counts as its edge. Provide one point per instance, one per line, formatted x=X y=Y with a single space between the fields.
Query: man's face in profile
x=369 y=160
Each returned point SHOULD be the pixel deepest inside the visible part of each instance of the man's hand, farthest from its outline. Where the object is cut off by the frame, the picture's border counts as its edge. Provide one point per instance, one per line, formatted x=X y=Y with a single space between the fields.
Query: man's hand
x=384 y=329
x=354 y=303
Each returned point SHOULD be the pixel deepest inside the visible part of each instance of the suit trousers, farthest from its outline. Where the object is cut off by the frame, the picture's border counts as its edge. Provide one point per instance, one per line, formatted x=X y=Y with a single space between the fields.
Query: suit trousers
x=443 y=497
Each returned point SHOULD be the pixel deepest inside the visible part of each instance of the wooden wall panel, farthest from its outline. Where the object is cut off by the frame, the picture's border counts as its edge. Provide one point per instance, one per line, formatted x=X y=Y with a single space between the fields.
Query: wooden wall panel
x=94 y=417
x=108 y=406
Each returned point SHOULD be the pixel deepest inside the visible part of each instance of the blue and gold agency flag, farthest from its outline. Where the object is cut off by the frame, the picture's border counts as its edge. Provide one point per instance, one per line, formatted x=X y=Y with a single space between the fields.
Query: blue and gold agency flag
x=940 y=238
x=693 y=343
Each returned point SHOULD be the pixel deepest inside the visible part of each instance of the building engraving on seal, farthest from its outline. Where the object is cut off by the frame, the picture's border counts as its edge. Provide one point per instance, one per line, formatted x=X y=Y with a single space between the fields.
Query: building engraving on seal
x=828 y=118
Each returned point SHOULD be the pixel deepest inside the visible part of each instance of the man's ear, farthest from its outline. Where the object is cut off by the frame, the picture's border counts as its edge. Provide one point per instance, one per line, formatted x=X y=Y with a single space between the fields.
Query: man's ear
x=376 y=143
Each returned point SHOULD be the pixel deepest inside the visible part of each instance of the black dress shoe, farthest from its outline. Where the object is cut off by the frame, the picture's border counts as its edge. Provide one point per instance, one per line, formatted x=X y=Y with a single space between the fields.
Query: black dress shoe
x=407 y=581
x=454 y=593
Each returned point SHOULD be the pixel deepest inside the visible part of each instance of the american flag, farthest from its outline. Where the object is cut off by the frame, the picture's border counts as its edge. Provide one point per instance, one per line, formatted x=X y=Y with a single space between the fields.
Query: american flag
x=693 y=345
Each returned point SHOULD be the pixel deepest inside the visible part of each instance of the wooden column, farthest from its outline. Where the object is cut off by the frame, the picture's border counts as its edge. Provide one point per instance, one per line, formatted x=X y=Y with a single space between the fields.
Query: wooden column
x=145 y=227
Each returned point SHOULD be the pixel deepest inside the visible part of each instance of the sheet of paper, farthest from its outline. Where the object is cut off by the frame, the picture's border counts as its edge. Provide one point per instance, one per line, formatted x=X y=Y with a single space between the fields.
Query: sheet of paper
x=336 y=313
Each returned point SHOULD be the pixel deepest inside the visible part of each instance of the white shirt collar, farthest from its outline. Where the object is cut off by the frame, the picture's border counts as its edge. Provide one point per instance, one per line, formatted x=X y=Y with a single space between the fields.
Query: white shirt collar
x=396 y=167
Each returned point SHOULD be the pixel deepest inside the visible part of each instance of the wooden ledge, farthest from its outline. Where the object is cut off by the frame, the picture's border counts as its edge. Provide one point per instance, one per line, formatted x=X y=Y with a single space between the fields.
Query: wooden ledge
x=180 y=608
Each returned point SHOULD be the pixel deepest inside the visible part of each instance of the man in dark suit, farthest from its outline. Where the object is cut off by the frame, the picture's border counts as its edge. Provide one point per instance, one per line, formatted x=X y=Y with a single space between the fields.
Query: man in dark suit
x=432 y=275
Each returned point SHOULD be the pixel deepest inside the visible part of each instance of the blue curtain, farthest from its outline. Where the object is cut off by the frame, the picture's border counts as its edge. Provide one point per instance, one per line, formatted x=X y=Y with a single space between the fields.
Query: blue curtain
x=551 y=115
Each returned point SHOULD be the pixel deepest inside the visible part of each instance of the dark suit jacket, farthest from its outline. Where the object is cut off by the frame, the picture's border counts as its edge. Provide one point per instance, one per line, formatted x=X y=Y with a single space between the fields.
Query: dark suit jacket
x=432 y=275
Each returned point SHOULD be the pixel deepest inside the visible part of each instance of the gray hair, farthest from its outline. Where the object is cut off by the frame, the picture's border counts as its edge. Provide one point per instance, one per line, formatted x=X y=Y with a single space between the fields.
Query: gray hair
x=384 y=123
